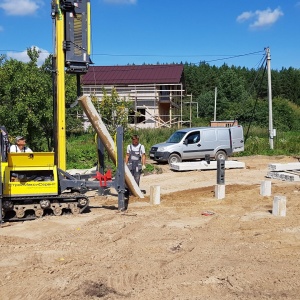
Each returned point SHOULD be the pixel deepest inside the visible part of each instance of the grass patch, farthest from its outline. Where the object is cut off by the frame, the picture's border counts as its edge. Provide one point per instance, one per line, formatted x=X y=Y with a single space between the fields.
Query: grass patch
x=82 y=149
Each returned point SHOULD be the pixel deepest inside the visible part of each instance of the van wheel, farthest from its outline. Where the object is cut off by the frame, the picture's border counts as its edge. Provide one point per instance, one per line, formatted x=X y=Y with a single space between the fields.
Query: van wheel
x=174 y=158
x=221 y=155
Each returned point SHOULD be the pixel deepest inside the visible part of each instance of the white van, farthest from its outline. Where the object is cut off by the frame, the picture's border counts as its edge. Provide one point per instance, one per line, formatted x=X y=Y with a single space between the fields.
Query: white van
x=196 y=143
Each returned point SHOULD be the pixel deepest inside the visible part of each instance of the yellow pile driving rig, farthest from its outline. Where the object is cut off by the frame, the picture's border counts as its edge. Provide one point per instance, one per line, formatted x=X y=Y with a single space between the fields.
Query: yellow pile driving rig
x=32 y=185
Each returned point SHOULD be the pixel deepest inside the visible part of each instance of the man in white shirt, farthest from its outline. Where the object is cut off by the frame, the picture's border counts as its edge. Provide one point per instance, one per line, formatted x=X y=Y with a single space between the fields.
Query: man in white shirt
x=135 y=158
x=20 y=147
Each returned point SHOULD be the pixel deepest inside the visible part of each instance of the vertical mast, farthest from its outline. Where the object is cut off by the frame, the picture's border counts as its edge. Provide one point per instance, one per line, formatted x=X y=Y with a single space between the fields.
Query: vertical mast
x=72 y=55
x=61 y=106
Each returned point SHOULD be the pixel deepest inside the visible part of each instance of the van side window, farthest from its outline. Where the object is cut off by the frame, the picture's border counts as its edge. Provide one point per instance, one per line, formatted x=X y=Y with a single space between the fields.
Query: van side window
x=193 y=137
x=176 y=137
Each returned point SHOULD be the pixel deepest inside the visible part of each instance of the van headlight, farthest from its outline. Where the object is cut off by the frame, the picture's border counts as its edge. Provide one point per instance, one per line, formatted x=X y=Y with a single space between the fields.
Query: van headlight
x=161 y=149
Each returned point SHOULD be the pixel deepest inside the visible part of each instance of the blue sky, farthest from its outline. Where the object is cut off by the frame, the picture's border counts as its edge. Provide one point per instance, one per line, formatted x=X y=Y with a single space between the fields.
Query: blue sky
x=166 y=31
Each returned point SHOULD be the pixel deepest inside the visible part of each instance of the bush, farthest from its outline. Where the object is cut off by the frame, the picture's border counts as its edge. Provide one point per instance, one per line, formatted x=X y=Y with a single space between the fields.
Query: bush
x=82 y=149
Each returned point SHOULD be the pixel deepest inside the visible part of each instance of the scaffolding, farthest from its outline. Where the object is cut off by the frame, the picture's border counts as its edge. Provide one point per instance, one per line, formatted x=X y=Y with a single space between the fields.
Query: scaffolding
x=154 y=105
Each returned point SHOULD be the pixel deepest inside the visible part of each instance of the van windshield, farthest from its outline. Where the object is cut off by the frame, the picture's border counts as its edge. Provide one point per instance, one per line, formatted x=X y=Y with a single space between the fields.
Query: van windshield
x=176 y=137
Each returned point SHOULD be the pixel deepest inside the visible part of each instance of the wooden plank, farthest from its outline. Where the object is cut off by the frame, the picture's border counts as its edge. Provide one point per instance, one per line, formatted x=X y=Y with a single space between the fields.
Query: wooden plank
x=99 y=126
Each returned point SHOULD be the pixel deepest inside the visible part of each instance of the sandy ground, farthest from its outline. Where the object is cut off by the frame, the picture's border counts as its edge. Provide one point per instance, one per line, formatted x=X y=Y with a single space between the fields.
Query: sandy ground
x=167 y=251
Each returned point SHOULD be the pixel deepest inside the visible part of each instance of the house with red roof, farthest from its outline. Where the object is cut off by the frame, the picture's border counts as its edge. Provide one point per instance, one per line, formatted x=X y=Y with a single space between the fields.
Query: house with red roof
x=156 y=91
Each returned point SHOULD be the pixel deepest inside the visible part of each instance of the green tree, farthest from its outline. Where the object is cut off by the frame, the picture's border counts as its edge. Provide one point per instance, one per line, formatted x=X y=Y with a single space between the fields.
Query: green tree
x=74 y=112
x=26 y=100
x=113 y=111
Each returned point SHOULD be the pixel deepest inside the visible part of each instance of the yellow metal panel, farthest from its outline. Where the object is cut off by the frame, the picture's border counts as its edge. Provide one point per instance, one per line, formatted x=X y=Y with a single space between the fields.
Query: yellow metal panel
x=34 y=159
x=30 y=185
x=3 y=166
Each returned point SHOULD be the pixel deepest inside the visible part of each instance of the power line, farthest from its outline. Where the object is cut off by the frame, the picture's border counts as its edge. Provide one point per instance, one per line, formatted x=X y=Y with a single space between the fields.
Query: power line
x=227 y=56
x=233 y=56
x=221 y=57
x=224 y=56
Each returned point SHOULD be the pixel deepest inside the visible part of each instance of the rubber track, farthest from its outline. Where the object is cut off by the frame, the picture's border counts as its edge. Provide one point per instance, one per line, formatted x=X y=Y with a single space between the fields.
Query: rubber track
x=61 y=198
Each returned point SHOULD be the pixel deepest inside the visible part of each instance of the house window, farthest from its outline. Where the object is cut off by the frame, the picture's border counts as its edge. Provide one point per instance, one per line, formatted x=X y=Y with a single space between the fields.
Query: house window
x=138 y=117
x=164 y=93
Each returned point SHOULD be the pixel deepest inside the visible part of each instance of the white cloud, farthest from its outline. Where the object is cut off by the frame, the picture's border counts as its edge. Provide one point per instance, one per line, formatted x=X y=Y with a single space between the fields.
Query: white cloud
x=245 y=16
x=20 y=7
x=121 y=1
x=267 y=17
x=262 y=18
x=22 y=56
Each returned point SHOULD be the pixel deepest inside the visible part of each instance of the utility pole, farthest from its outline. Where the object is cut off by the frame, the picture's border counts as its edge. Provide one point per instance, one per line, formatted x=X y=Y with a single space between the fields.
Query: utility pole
x=215 y=110
x=271 y=131
x=191 y=100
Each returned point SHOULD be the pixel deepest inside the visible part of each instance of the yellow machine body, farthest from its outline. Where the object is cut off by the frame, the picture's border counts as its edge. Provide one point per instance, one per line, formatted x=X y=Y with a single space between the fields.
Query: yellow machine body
x=28 y=174
x=36 y=183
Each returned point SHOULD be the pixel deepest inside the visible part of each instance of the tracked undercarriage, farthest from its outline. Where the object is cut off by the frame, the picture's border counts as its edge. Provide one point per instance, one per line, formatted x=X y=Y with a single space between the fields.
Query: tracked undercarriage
x=29 y=208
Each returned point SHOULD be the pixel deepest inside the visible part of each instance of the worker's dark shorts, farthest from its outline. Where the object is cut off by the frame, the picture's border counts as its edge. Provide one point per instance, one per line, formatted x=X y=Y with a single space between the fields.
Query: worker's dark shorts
x=132 y=165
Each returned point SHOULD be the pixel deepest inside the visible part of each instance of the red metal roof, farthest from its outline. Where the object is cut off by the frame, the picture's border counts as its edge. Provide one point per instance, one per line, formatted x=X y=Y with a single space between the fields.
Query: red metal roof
x=126 y=75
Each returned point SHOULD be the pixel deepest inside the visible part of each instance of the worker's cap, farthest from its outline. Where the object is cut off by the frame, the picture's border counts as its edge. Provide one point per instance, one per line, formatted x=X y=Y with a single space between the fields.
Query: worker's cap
x=19 y=137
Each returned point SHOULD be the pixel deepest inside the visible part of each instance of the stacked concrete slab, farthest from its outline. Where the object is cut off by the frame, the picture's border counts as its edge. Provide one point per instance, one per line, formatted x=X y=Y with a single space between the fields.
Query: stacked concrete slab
x=204 y=165
x=286 y=172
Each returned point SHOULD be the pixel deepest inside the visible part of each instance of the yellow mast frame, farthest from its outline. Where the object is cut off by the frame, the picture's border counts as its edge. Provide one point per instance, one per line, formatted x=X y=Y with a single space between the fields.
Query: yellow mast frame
x=61 y=97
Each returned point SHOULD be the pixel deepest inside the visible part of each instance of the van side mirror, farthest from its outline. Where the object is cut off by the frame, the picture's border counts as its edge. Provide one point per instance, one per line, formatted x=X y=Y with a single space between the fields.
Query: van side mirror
x=185 y=142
